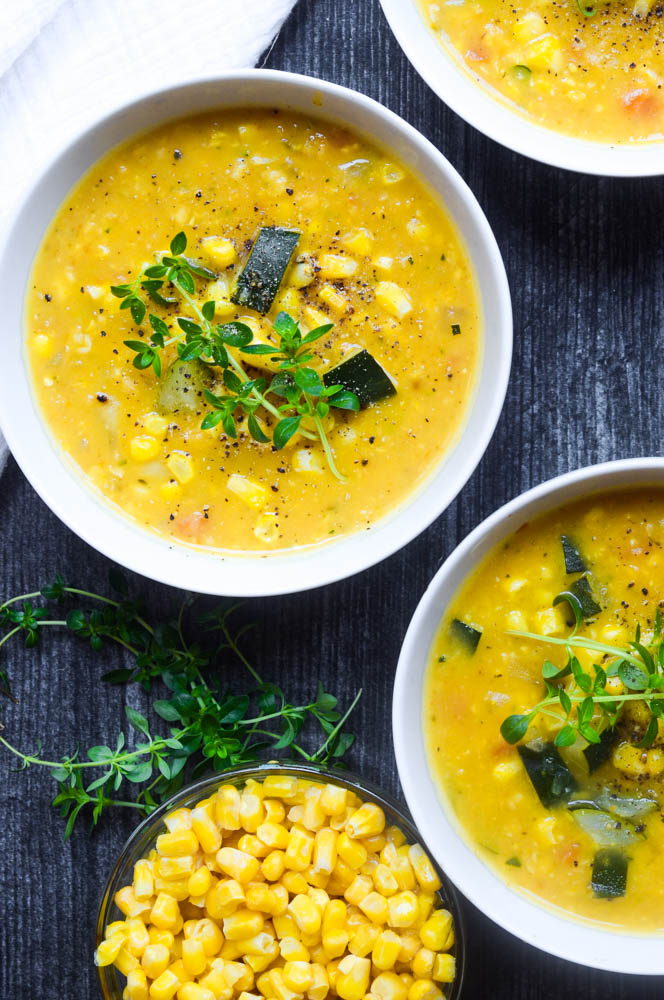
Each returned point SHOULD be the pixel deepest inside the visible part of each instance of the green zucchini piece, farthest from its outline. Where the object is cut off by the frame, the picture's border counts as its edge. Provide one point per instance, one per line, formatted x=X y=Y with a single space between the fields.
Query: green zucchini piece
x=362 y=375
x=466 y=634
x=182 y=386
x=550 y=776
x=606 y=830
x=264 y=270
x=626 y=808
x=574 y=562
x=609 y=877
x=597 y=754
x=582 y=591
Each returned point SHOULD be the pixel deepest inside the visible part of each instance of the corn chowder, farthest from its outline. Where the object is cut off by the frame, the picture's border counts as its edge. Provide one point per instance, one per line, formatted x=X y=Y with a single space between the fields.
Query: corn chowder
x=543 y=699
x=253 y=331
x=591 y=70
x=284 y=889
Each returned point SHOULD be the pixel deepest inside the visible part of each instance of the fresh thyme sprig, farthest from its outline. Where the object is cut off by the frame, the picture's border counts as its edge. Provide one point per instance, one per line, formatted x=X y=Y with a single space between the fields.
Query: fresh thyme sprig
x=299 y=385
x=580 y=699
x=211 y=728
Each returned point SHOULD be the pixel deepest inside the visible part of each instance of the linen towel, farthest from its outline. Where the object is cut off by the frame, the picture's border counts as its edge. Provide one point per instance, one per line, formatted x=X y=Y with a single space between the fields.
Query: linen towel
x=64 y=63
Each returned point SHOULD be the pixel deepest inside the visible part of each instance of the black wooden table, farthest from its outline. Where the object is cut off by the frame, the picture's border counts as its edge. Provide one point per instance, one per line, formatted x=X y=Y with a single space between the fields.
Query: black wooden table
x=584 y=258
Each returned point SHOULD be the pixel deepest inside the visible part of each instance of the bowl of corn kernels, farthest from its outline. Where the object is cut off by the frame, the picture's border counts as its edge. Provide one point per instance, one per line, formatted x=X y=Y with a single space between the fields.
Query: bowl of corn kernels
x=278 y=882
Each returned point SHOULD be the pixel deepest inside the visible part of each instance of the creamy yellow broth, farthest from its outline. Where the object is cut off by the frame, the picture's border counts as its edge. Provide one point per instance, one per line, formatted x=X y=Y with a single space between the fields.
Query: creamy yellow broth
x=598 y=77
x=410 y=300
x=544 y=851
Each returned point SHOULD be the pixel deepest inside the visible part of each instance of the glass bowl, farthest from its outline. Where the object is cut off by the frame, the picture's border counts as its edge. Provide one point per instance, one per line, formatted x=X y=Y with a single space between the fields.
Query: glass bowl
x=144 y=836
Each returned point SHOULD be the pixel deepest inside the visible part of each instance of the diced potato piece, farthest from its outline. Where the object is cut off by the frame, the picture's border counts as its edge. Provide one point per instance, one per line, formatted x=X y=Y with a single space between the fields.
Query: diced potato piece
x=266 y=528
x=417 y=229
x=247 y=490
x=335 y=266
x=359 y=241
x=383 y=263
x=307 y=460
x=544 y=53
x=334 y=299
x=181 y=466
x=393 y=299
x=550 y=620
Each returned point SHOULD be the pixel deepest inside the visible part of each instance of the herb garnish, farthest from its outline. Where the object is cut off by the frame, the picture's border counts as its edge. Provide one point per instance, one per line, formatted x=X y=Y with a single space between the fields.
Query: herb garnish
x=300 y=386
x=588 y=708
x=212 y=729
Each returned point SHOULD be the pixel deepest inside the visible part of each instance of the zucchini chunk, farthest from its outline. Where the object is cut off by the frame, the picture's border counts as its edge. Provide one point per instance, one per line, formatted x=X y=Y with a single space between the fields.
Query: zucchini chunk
x=550 y=776
x=182 y=386
x=624 y=807
x=597 y=754
x=606 y=830
x=362 y=375
x=466 y=634
x=264 y=270
x=582 y=591
x=574 y=562
x=609 y=877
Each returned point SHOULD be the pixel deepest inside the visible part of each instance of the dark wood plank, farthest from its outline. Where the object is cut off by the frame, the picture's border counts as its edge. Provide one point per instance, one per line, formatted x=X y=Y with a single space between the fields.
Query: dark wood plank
x=584 y=258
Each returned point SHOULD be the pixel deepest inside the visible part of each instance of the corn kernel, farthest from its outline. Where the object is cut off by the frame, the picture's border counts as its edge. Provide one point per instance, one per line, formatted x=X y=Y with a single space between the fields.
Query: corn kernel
x=352 y=979
x=205 y=829
x=219 y=251
x=137 y=985
x=359 y=241
x=166 y=986
x=402 y=909
x=301 y=274
x=252 y=845
x=224 y=898
x=333 y=799
x=274 y=866
x=389 y=986
x=274 y=835
x=386 y=950
x=299 y=850
x=126 y=902
x=364 y=938
x=155 y=960
x=143 y=448
x=237 y=864
x=169 y=869
x=360 y=887
x=424 y=989
x=137 y=938
x=125 y=962
x=165 y=912
x=280 y=786
x=293 y=950
x=320 y=985
x=227 y=807
x=444 y=968
x=155 y=424
x=298 y=976
x=180 y=465
x=247 y=490
x=425 y=873
x=305 y=914
x=210 y=936
x=194 y=991
x=375 y=907
x=170 y=490
x=435 y=930
x=423 y=963
x=366 y=821
x=42 y=345
x=351 y=852
x=143 y=884
x=242 y=924
x=251 y=810
x=108 y=950
x=193 y=956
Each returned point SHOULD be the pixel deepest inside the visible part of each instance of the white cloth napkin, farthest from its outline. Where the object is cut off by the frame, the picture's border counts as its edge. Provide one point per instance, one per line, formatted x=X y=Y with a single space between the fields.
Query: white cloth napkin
x=64 y=63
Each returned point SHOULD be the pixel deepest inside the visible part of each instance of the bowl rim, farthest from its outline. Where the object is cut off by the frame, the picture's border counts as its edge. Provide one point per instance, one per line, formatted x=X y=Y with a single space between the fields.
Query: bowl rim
x=548 y=929
x=288 y=571
x=473 y=101
x=148 y=828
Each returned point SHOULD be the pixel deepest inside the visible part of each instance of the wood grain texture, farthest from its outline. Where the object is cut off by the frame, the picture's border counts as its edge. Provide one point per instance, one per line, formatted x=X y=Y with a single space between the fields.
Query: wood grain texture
x=584 y=258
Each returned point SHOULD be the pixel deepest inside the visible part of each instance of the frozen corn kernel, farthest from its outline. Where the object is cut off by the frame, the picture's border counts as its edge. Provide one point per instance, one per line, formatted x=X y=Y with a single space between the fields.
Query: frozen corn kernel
x=242 y=924
x=386 y=950
x=333 y=799
x=137 y=938
x=224 y=898
x=300 y=849
x=108 y=950
x=180 y=465
x=402 y=909
x=219 y=251
x=424 y=989
x=177 y=844
x=363 y=939
x=393 y=299
x=352 y=852
x=155 y=960
x=298 y=976
x=237 y=864
x=305 y=914
x=444 y=968
x=274 y=835
x=352 y=980
x=205 y=829
x=389 y=986
x=193 y=956
x=126 y=902
x=124 y=961
x=165 y=987
x=435 y=930
x=247 y=490
x=336 y=267
x=143 y=884
x=384 y=880
x=280 y=786
x=194 y=991
x=274 y=865
x=375 y=907
x=137 y=985
x=425 y=873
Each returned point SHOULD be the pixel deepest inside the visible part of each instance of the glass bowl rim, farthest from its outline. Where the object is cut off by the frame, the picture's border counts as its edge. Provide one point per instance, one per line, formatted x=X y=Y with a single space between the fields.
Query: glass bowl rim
x=368 y=791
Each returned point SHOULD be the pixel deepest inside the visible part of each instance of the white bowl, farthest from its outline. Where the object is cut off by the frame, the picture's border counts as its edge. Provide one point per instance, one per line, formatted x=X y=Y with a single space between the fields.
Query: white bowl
x=548 y=929
x=62 y=487
x=448 y=76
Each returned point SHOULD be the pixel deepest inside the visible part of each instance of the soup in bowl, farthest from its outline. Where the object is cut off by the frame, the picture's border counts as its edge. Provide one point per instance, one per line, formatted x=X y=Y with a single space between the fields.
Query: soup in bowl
x=535 y=659
x=554 y=81
x=255 y=327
